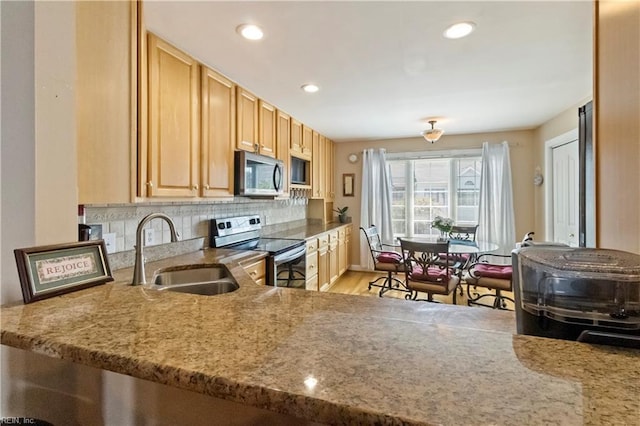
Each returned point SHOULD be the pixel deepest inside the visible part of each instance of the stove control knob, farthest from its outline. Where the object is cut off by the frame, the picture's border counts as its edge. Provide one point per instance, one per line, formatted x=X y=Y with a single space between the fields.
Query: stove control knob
x=257 y=220
x=221 y=225
x=228 y=225
x=252 y=221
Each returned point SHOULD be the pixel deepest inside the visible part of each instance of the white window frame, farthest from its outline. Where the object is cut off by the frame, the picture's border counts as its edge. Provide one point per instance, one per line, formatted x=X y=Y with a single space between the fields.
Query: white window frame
x=409 y=174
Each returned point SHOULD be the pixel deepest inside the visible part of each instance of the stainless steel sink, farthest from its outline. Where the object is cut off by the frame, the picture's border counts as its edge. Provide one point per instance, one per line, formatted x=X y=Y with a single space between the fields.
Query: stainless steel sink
x=206 y=280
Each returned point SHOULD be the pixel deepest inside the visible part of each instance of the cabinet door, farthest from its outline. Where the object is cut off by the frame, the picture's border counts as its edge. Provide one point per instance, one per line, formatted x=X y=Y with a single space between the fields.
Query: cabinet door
x=342 y=251
x=307 y=142
x=283 y=136
x=247 y=120
x=323 y=268
x=218 y=134
x=267 y=128
x=174 y=144
x=312 y=271
x=348 y=245
x=333 y=257
x=317 y=166
x=296 y=138
x=329 y=188
x=103 y=51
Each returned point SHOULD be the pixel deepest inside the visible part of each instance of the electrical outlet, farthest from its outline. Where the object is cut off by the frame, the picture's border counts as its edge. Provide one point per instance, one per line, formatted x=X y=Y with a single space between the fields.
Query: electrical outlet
x=149 y=237
x=110 y=242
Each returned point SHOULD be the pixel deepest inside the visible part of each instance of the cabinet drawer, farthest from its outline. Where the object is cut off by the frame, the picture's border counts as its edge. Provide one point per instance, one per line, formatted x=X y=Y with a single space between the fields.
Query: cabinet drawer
x=348 y=230
x=312 y=245
x=323 y=240
x=312 y=264
x=333 y=236
x=256 y=271
x=341 y=233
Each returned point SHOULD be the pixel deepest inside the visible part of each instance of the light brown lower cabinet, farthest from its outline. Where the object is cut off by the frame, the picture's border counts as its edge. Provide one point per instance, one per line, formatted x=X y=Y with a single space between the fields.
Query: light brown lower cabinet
x=257 y=271
x=311 y=262
x=323 y=262
x=333 y=257
x=342 y=251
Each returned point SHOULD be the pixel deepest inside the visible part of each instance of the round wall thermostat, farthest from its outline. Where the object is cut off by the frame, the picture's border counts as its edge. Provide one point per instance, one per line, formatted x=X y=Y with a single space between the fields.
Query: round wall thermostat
x=353 y=158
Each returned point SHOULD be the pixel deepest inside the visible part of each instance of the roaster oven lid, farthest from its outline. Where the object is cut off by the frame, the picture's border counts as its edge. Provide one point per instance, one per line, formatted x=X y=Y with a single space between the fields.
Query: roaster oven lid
x=585 y=262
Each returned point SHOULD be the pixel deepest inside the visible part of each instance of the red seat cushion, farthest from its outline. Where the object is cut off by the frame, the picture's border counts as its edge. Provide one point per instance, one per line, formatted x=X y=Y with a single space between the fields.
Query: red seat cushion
x=433 y=272
x=493 y=271
x=389 y=257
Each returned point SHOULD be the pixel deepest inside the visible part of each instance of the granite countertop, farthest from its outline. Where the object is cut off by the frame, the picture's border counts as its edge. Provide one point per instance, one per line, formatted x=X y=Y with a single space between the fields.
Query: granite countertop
x=309 y=230
x=375 y=361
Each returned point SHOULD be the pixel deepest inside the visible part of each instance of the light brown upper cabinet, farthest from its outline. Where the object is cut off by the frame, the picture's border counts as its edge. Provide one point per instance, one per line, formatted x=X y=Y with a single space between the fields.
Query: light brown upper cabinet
x=106 y=53
x=301 y=143
x=318 y=165
x=267 y=128
x=218 y=134
x=173 y=157
x=283 y=136
x=329 y=187
x=247 y=120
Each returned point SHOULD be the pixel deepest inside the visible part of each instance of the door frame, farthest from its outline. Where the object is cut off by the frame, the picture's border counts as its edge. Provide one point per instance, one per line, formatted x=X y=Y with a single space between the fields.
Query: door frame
x=570 y=136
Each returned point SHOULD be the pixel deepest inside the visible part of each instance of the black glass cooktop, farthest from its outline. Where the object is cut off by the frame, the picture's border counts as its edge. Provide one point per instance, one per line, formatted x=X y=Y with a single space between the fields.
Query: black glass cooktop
x=271 y=245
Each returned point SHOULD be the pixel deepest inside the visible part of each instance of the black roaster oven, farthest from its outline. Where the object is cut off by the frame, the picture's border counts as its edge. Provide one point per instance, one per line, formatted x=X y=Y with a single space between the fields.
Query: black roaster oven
x=585 y=294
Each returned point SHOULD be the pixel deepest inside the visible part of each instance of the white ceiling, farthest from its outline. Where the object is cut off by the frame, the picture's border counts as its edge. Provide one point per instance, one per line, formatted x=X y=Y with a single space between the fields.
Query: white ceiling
x=384 y=67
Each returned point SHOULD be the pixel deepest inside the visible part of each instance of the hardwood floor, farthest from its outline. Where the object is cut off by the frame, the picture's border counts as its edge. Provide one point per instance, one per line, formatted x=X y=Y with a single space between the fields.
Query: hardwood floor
x=356 y=282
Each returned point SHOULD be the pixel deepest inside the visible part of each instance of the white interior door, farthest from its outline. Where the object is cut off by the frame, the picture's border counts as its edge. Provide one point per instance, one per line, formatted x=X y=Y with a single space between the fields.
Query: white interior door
x=565 y=193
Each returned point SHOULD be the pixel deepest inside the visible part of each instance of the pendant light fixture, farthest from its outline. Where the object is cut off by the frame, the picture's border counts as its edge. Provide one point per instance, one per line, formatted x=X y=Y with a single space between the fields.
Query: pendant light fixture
x=432 y=134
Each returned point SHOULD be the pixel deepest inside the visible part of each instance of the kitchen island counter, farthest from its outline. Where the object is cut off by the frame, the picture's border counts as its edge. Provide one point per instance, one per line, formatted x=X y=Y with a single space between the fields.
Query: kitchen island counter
x=332 y=358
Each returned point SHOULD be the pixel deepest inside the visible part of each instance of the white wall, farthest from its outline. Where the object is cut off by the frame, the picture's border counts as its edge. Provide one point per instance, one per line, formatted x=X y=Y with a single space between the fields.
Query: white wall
x=521 y=144
x=38 y=185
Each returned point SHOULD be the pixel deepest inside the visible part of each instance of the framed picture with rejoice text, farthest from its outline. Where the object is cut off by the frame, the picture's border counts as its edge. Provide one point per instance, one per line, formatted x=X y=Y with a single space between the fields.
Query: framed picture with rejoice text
x=49 y=271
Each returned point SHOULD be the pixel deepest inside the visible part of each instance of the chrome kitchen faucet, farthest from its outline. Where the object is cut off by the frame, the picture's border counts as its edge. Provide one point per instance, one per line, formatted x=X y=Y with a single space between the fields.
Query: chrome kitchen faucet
x=138 y=269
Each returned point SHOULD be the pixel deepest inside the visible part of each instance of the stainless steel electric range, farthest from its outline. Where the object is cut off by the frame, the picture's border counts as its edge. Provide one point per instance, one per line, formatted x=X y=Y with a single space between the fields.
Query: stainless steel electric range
x=285 y=262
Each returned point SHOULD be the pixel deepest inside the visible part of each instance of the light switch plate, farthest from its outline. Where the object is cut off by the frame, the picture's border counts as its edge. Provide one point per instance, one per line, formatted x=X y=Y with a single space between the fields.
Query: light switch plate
x=110 y=242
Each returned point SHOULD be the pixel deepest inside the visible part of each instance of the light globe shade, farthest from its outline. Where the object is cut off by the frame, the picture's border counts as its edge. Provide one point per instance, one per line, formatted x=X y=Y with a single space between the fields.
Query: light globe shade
x=432 y=135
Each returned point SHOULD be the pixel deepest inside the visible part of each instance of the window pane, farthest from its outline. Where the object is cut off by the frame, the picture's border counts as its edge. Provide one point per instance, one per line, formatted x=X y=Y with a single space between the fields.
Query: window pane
x=468 y=190
x=430 y=195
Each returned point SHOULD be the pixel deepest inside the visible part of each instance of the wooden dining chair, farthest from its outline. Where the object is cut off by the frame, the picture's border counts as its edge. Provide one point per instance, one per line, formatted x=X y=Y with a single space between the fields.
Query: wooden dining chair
x=424 y=271
x=385 y=259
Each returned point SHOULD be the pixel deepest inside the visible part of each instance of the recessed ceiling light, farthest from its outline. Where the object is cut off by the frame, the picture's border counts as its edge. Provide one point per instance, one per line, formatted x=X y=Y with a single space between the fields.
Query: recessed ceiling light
x=459 y=30
x=310 y=88
x=250 y=31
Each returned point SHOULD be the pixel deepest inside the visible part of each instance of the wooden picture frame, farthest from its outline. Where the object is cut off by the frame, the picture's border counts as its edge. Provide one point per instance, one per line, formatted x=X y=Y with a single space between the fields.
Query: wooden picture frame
x=49 y=271
x=348 y=184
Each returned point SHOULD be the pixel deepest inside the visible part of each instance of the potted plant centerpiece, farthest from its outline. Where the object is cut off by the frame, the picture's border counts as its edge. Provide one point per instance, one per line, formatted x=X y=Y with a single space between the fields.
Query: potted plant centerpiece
x=444 y=225
x=342 y=213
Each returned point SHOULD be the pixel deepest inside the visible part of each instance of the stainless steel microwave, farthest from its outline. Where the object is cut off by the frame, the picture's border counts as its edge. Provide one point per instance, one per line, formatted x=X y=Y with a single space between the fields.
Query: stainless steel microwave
x=257 y=175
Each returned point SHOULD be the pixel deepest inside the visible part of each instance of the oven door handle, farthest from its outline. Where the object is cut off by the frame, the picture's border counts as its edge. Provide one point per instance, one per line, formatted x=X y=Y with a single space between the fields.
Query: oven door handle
x=290 y=255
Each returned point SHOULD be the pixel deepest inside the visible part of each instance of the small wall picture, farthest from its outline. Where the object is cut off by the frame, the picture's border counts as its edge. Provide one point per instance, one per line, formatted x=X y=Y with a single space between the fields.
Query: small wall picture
x=49 y=271
x=348 y=184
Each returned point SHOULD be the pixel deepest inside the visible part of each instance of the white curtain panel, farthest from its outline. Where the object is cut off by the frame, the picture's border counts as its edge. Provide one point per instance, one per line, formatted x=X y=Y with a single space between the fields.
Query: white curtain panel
x=496 y=216
x=375 y=207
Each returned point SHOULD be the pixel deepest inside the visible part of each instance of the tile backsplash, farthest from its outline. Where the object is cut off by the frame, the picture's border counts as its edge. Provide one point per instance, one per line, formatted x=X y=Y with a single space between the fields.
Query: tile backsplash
x=191 y=219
